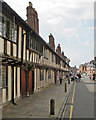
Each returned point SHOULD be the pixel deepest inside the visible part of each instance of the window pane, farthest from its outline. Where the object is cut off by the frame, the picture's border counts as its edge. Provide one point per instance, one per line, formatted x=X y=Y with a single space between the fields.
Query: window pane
x=3 y=76
x=41 y=75
x=3 y=27
x=8 y=30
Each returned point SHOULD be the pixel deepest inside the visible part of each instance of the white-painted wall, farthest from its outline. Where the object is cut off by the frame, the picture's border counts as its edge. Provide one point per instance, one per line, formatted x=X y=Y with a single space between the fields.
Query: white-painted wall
x=18 y=81
x=1 y=45
x=14 y=82
x=27 y=55
x=19 y=45
x=35 y=78
x=8 y=48
x=14 y=50
x=9 y=83
x=4 y=95
x=24 y=47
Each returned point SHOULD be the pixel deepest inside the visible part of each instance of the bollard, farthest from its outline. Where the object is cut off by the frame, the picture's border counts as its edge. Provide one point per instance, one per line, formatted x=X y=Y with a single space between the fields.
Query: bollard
x=68 y=81
x=52 y=107
x=65 y=87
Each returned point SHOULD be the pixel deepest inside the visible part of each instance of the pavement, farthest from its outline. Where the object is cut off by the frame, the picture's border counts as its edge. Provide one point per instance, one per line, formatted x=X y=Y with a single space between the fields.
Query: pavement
x=38 y=104
x=83 y=105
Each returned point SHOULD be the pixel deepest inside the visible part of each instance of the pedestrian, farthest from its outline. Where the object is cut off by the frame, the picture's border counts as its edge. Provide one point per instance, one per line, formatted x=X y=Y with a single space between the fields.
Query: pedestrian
x=79 y=77
x=68 y=79
x=57 y=78
x=93 y=76
x=60 y=78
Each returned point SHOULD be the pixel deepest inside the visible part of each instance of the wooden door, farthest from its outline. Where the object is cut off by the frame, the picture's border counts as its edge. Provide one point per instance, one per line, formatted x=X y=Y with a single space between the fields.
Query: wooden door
x=23 y=83
x=31 y=82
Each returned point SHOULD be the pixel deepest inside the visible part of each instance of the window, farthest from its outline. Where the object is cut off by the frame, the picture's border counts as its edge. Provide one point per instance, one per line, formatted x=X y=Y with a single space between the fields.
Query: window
x=34 y=44
x=3 y=27
x=49 y=74
x=45 y=53
x=53 y=58
x=3 y=76
x=14 y=38
x=8 y=29
x=41 y=75
x=57 y=60
x=41 y=48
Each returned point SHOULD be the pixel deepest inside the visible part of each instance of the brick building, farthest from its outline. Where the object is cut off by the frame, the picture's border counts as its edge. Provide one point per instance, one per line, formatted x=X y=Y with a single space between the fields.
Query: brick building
x=28 y=63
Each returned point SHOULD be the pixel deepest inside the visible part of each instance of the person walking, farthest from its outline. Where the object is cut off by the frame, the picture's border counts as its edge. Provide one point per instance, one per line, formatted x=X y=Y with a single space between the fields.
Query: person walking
x=68 y=79
x=60 y=79
x=79 y=77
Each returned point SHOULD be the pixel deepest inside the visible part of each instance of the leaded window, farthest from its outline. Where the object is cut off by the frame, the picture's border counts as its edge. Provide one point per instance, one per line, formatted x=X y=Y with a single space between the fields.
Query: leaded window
x=41 y=75
x=3 y=73
x=8 y=28
x=49 y=74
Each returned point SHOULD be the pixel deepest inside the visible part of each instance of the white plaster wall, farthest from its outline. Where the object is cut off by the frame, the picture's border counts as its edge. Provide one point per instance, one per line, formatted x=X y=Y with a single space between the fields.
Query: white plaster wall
x=18 y=81
x=9 y=83
x=1 y=45
x=38 y=78
x=14 y=50
x=19 y=47
x=33 y=57
x=24 y=48
x=8 y=48
x=14 y=82
x=3 y=95
x=35 y=79
x=27 y=55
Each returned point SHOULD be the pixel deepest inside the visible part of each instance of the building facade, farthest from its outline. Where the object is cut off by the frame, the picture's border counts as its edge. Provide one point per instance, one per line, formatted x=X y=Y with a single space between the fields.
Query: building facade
x=27 y=62
x=88 y=68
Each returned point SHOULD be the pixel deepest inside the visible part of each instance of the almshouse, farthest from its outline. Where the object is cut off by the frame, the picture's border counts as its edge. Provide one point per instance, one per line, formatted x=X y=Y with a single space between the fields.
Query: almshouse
x=28 y=63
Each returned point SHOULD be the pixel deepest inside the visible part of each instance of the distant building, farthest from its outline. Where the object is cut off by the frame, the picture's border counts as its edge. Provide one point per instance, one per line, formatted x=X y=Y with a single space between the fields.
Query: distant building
x=88 y=68
x=74 y=69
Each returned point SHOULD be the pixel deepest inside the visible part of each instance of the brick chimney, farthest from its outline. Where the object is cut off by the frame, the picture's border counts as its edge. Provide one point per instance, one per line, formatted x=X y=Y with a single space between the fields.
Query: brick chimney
x=62 y=55
x=58 y=50
x=51 y=42
x=32 y=18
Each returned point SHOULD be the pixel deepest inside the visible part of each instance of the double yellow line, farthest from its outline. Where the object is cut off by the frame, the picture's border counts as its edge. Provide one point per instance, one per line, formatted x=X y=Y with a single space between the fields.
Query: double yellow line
x=71 y=108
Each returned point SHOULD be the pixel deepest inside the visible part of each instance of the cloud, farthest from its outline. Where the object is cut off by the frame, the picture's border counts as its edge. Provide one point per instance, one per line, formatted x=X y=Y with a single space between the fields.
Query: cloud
x=89 y=43
x=70 y=32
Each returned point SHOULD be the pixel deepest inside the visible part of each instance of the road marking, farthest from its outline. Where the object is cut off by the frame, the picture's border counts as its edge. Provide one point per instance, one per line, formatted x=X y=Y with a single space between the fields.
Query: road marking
x=71 y=108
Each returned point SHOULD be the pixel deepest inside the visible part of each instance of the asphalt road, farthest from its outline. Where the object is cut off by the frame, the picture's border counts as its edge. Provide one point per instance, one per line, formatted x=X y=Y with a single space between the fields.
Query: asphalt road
x=81 y=101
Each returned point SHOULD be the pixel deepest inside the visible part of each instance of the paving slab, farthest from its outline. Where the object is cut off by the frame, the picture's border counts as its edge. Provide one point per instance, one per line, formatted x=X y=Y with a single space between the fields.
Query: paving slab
x=38 y=104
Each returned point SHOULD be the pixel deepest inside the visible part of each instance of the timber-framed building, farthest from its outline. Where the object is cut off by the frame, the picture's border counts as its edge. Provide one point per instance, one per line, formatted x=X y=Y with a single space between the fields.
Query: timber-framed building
x=27 y=62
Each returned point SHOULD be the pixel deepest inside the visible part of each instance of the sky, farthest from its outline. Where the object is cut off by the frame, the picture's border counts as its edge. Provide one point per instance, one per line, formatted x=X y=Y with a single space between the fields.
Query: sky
x=70 y=21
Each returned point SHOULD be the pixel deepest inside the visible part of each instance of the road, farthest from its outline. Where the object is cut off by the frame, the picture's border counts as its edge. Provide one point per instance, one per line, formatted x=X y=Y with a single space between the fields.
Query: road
x=81 y=101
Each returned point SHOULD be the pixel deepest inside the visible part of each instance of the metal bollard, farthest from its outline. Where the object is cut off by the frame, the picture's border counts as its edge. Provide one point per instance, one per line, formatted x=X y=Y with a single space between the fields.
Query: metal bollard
x=52 y=107
x=65 y=87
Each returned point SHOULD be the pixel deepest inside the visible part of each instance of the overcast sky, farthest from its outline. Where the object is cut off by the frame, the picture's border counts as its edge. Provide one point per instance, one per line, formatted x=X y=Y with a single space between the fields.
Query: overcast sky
x=71 y=23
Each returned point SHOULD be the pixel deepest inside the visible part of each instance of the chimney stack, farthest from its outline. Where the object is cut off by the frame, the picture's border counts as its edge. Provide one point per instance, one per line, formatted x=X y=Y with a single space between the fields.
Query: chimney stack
x=58 y=50
x=51 y=42
x=63 y=57
x=32 y=18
